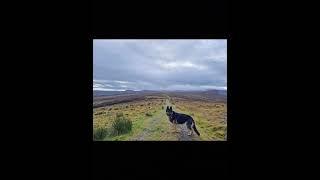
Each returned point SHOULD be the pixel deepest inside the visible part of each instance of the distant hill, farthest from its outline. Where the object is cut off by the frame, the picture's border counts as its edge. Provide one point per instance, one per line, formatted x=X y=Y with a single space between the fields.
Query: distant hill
x=219 y=92
x=215 y=95
x=218 y=95
x=112 y=93
x=126 y=92
x=105 y=93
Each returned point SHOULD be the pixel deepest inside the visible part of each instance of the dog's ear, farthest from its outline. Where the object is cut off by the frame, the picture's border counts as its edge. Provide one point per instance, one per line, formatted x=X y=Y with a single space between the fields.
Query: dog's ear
x=167 y=107
x=170 y=108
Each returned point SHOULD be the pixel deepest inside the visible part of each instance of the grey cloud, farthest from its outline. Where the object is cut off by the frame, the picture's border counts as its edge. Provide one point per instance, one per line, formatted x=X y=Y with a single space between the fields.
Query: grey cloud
x=160 y=64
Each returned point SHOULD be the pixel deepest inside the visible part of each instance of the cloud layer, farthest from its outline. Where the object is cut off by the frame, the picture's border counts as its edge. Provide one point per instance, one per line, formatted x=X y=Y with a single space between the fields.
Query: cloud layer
x=159 y=64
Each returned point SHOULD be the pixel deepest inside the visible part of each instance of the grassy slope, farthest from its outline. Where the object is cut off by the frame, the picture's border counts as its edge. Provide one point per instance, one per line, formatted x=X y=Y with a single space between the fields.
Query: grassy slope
x=135 y=111
x=209 y=118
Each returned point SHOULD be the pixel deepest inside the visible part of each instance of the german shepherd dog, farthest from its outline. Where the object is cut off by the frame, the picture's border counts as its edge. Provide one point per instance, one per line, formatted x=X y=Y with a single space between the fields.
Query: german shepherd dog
x=178 y=118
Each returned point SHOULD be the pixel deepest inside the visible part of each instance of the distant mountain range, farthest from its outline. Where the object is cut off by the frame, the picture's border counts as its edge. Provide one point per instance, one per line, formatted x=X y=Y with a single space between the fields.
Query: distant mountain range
x=220 y=92
x=111 y=93
x=129 y=92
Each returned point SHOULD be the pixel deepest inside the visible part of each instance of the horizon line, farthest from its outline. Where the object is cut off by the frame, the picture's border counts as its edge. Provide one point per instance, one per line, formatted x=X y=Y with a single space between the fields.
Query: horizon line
x=122 y=90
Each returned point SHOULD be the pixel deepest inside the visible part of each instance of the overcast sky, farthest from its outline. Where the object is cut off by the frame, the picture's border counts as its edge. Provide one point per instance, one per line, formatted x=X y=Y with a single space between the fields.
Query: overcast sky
x=159 y=64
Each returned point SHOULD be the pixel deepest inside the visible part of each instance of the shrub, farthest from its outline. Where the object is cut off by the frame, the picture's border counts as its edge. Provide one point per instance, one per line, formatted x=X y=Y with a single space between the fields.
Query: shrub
x=99 y=134
x=121 y=125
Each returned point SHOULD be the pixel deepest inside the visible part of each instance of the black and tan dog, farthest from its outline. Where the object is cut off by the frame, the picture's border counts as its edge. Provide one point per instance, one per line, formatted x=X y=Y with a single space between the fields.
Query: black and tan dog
x=178 y=118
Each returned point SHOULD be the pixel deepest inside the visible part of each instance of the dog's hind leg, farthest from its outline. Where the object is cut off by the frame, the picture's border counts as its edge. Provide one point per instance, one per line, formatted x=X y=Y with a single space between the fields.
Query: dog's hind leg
x=189 y=125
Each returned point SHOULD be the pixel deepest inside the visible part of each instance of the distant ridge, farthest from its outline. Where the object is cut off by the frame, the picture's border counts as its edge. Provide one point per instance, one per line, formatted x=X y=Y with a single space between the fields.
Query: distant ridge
x=213 y=93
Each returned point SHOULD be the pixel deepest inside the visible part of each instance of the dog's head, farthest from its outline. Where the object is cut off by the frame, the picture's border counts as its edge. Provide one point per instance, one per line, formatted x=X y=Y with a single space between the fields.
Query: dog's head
x=169 y=111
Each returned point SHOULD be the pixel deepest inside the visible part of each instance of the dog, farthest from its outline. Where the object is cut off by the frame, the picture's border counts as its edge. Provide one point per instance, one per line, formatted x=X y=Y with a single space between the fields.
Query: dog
x=178 y=118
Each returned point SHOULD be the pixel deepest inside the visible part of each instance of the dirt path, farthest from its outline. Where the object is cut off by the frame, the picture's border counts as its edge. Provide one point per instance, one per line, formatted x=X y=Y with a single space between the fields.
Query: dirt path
x=159 y=126
x=150 y=128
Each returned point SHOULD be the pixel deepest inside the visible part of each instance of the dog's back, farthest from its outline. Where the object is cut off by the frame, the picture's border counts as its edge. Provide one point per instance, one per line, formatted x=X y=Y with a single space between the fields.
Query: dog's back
x=182 y=118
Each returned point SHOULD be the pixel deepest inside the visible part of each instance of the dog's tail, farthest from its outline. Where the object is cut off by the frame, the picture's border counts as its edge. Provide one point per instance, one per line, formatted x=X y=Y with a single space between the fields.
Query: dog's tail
x=194 y=128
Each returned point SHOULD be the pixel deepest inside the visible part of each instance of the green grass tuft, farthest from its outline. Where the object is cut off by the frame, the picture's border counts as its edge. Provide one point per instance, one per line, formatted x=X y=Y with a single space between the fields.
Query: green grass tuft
x=99 y=134
x=121 y=125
